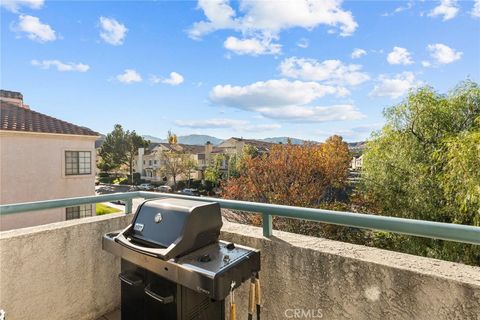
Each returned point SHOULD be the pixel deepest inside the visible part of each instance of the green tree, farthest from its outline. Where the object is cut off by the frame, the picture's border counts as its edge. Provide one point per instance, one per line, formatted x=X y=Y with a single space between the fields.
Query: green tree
x=190 y=166
x=214 y=172
x=177 y=162
x=424 y=164
x=120 y=148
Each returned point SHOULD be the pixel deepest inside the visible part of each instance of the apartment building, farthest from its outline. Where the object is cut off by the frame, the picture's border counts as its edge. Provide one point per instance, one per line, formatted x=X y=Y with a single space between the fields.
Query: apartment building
x=357 y=163
x=43 y=158
x=150 y=161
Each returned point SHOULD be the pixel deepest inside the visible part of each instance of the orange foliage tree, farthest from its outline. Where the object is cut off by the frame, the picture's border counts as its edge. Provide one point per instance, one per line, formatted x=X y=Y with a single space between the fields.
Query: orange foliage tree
x=297 y=175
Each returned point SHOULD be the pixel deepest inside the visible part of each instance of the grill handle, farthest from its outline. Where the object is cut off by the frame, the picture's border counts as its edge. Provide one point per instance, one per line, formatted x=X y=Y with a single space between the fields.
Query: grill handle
x=131 y=282
x=159 y=298
x=161 y=253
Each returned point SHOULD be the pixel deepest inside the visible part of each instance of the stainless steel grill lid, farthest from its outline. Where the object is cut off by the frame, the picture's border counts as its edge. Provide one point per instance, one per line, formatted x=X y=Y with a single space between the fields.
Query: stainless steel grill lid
x=169 y=228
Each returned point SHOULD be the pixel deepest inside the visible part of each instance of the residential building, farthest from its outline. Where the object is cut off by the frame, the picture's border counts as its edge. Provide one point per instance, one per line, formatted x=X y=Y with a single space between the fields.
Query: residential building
x=43 y=158
x=150 y=162
x=235 y=145
x=357 y=163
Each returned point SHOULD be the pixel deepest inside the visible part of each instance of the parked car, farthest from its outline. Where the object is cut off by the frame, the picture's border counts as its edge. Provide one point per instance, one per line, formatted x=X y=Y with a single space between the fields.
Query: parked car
x=145 y=187
x=190 y=192
x=165 y=189
x=120 y=202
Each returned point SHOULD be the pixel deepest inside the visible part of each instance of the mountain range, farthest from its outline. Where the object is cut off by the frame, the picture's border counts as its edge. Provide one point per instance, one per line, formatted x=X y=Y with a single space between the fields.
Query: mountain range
x=195 y=139
x=199 y=139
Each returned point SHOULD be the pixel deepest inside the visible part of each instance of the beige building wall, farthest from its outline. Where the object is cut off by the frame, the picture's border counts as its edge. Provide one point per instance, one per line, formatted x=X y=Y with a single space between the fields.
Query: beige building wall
x=32 y=168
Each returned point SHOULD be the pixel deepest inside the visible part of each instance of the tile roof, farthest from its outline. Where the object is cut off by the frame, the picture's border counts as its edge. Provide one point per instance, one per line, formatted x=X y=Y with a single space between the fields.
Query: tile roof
x=14 y=118
x=11 y=94
x=261 y=145
x=188 y=148
x=194 y=149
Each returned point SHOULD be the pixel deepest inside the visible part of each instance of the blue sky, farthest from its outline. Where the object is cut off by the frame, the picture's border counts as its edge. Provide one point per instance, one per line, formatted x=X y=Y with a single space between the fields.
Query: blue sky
x=306 y=69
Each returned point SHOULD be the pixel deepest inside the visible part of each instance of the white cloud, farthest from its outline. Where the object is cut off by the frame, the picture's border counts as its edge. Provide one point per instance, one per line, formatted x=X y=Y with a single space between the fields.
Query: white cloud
x=252 y=46
x=15 y=5
x=265 y=19
x=222 y=123
x=271 y=18
x=61 y=66
x=396 y=86
x=447 y=8
x=210 y=123
x=129 y=76
x=113 y=32
x=358 y=53
x=399 y=56
x=35 y=29
x=313 y=113
x=399 y=9
x=476 y=9
x=260 y=127
x=426 y=64
x=174 y=79
x=271 y=93
x=354 y=134
x=285 y=100
x=443 y=54
x=304 y=43
x=329 y=71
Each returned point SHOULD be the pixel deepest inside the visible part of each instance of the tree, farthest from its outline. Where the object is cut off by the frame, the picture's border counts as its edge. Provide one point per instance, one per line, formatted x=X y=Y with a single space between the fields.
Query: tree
x=120 y=148
x=214 y=173
x=177 y=161
x=172 y=138
x=297 y=175
x=424 y=164
x=190 y=165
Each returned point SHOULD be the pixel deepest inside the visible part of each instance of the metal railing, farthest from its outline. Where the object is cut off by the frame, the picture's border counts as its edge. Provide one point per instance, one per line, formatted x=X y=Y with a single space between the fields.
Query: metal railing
x=422 y=228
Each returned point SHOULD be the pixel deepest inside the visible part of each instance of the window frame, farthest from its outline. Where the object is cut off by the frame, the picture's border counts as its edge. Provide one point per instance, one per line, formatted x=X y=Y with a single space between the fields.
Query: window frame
x=78 y=212
x=73 y=164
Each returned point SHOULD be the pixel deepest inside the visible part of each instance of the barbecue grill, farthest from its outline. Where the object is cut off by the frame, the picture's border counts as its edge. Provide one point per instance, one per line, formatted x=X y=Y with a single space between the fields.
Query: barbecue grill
x=172 y=264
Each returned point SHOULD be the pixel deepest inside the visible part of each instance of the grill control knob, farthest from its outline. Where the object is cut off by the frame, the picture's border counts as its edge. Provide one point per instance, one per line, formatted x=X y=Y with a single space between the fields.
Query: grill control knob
x=230 y=246
x=205 y=258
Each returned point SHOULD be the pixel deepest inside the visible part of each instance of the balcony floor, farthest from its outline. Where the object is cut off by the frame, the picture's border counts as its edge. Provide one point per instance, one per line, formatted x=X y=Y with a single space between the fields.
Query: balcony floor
x=114 y=315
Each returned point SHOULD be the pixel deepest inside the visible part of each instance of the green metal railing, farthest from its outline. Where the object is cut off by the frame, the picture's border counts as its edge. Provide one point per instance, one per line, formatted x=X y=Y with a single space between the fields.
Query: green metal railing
x=422 y=228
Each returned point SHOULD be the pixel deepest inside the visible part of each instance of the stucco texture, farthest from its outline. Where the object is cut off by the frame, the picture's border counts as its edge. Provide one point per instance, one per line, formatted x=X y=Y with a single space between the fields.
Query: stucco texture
x=316 y=278
x=32 y=168
x=59 y=271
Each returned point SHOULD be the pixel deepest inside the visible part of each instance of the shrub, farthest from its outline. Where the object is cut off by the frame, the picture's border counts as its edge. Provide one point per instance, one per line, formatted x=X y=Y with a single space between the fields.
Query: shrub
x=104 y=209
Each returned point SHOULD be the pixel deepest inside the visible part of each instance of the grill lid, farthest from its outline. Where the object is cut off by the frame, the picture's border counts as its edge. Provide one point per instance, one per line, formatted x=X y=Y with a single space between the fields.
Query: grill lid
x=169 y=228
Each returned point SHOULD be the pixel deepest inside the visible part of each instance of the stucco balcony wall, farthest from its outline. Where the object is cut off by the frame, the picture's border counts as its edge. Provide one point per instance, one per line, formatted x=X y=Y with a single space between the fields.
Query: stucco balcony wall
x=59 y=271
x=313 y=278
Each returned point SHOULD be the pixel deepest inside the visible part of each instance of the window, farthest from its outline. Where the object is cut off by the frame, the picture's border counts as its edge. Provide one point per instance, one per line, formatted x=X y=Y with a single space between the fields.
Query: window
x=154 y=161
x=78 y=162
x=78 y=212
x=149 y=162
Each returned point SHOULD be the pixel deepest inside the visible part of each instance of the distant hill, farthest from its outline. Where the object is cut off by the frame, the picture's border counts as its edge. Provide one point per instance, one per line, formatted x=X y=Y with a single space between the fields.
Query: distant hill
x=283 y=140
x=153 y=139
x=99 y=141
x=357 y=147
x=194 y=139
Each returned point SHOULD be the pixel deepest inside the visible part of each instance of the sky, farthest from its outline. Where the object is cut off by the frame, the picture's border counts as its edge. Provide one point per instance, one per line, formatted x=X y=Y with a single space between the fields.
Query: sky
x=253 y=69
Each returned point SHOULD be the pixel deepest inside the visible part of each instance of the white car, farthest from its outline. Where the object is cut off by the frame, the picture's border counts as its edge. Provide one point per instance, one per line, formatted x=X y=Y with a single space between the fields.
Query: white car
x=145 y=187
x=165 y=189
